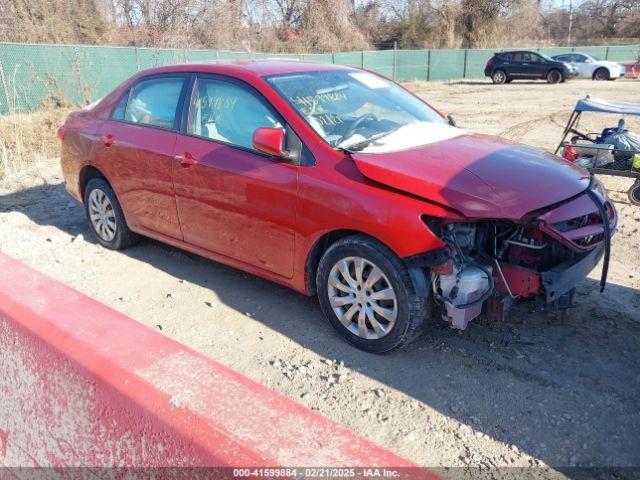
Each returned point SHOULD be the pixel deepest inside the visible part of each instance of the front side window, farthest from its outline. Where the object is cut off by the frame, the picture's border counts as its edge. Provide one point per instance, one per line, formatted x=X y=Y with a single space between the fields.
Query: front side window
x=154 y=102
x=227 y=112
x=530 y=57
x=350 y=107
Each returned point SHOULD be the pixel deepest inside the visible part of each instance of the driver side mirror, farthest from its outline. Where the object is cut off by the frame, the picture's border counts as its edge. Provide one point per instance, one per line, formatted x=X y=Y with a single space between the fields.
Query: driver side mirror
x=451 y=121
x=269 y=140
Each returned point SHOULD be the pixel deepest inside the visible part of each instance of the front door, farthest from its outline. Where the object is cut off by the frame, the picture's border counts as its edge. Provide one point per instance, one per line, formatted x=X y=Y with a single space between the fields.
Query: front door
x=232 y=199
x=583 y=64
x=136 y=153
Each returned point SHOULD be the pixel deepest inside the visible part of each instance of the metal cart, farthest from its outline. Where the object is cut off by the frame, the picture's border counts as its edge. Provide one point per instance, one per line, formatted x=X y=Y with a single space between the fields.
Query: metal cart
x=620 y=169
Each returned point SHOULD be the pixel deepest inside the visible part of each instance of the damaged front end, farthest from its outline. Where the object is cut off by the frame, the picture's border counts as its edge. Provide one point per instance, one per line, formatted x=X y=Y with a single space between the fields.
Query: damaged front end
x=489 y=265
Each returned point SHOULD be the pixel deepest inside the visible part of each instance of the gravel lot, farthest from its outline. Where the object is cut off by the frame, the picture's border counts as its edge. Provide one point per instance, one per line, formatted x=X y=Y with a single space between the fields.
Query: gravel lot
x=536 y=390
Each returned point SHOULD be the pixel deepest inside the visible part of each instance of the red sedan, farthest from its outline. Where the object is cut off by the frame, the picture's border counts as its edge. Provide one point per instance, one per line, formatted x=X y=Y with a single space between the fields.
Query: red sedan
x=335 y=181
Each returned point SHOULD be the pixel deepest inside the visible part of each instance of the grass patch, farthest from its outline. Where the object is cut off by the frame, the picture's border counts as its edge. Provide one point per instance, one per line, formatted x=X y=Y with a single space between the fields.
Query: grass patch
x=27 y=138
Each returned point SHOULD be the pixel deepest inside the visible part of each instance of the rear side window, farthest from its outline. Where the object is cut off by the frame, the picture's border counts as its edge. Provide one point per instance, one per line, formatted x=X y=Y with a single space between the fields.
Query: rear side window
x=507 y=56
x=154 y=102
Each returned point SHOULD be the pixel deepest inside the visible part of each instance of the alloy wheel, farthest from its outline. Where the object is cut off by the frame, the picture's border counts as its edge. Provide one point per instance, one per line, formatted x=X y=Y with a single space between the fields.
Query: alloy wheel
x=362 y=298
x=102 y=215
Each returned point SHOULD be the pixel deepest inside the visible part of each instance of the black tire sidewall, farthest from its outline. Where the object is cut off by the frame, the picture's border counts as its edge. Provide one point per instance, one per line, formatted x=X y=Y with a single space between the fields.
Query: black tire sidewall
x=493 y=78
x=634 y=194
x=118 y=240
x=555 y=76
x=378 y=256
x=604 y=77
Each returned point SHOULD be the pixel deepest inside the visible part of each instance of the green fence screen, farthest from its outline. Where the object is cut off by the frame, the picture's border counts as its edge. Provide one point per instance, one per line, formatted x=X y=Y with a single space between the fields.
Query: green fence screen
x=34 y=76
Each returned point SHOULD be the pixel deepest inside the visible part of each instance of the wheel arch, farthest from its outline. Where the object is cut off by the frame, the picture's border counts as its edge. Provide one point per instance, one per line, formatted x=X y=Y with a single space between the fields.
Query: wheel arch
x=600 y=67
x=329 y=238
x=500 y=69
x=320 y=246
x=87 y=173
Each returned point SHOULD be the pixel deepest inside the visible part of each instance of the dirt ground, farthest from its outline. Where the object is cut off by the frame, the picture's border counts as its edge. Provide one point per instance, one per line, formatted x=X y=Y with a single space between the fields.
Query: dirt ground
x=536 y=390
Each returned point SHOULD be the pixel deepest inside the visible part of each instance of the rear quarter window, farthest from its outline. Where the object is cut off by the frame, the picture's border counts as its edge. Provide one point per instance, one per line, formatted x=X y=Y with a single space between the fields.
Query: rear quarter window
x=154 y=101
x=120 y=109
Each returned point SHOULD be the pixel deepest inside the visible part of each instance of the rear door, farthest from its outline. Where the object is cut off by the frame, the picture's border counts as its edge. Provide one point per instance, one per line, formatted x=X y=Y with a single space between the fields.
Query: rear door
x=519 y=68
x=232 y=199
x=506 y=63
x=135 y=152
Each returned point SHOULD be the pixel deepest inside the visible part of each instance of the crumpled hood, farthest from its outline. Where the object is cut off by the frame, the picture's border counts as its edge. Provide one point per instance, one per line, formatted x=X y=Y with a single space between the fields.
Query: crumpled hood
x=480 y=176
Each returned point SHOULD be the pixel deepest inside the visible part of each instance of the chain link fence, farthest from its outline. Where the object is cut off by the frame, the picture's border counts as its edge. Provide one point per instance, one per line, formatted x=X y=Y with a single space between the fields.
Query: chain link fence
x=36 y=76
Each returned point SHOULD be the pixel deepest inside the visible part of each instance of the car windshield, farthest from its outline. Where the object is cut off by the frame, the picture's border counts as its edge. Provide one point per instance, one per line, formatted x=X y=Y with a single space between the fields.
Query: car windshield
x=350 y=109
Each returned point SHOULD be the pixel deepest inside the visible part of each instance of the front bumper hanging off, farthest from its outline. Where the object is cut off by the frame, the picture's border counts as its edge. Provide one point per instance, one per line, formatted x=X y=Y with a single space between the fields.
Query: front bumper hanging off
x=564 y=277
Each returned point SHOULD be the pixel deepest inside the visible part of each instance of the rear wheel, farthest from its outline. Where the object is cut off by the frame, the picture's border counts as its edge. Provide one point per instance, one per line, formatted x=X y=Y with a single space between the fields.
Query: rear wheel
x=601 y=74
x=555 y=76
x=634 y=194
x=499 y=77
x=367 y=294
x=105 y=216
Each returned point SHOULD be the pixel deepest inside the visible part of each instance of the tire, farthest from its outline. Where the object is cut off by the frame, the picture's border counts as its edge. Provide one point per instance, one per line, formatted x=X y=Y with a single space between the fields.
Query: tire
x=100 y=199
x=499 y=77
x=555 y=76
x=634 y=194
x=601 y=74
x=380 y=334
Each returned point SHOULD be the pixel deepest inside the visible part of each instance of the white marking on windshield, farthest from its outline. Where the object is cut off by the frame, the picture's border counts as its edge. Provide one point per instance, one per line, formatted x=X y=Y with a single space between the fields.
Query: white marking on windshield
x=369 y=80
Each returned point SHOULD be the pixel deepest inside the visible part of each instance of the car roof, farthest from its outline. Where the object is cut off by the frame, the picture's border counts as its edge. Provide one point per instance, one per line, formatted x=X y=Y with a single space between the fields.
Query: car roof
x=517 y=51
x=258 y=68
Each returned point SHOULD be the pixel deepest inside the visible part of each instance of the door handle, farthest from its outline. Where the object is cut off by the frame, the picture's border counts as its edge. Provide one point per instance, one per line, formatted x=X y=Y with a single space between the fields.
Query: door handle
x=108 y=140
x=186 y=159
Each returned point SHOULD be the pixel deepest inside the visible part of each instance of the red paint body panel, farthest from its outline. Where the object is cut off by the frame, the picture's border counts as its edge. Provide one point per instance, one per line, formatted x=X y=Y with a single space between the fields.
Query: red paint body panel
x=269 y=140
x=238 y=204
x=479 y=175
x=139 y=165
x=77 y=390
x=265 y=216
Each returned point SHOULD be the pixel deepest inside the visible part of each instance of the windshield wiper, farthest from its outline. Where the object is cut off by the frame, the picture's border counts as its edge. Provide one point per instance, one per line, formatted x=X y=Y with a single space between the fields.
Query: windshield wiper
x=356 y=147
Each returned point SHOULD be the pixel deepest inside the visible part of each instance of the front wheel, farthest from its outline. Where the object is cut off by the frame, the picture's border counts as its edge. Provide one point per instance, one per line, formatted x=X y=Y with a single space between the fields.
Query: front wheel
x=601 y=74
x=367 y=294
x=555 y=76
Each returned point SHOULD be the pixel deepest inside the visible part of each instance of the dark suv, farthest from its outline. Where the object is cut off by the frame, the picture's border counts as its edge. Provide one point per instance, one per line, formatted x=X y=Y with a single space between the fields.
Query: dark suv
x=507 y=66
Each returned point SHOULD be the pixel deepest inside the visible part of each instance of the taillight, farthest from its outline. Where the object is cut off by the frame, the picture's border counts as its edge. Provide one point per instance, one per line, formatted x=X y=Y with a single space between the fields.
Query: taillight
x=490 y=61
x=61 y=132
